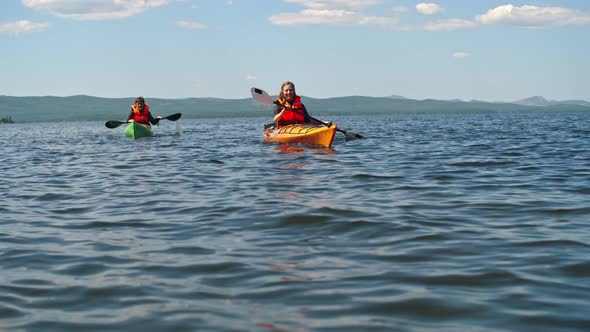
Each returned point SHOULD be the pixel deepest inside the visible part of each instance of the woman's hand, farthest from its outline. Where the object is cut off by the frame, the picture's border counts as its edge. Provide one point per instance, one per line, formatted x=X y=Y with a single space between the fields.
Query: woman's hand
x=279 y=115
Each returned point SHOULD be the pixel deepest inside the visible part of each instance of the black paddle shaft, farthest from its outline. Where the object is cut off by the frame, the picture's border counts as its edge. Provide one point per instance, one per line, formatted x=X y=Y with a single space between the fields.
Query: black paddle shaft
x=114 y=124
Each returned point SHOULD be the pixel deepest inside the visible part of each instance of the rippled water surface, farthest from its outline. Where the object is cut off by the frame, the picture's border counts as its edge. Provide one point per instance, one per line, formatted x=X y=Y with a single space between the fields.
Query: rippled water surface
x=434 y=223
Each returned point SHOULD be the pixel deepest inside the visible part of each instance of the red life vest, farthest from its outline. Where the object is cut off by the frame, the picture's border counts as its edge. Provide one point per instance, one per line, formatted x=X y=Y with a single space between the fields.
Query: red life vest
x=142 y=117
x=295 y=115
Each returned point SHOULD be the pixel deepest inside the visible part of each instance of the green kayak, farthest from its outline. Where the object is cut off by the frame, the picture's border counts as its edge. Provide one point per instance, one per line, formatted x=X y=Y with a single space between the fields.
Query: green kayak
x=135 y=130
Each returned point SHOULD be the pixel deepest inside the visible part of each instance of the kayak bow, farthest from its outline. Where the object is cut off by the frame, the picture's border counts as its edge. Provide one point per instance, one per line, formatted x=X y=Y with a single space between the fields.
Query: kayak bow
x=135 y=130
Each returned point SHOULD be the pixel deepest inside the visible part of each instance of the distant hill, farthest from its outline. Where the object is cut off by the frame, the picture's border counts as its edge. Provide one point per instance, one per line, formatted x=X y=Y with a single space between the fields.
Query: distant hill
x=84 y=108
x=533 y=101
x=396 y=97
x=540 y=101
x=88 y=108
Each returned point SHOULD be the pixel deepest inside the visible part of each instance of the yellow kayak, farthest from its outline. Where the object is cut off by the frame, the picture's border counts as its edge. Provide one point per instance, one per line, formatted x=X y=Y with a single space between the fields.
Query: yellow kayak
x=301 y=134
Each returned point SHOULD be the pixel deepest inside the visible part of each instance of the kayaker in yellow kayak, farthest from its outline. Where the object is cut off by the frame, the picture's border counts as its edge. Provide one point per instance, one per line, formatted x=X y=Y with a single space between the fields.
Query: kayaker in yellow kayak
x=289 y=109
x=140 y=113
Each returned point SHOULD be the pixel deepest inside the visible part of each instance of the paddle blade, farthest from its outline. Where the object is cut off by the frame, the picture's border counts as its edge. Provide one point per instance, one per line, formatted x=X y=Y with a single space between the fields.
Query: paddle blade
x=261 y=96
x=173 y=117
x=113 y=124
x=348 y=136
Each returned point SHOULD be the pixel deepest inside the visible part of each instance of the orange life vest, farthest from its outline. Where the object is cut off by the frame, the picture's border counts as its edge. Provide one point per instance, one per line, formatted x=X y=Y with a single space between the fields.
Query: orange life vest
x=142 y=117
x=295 y=115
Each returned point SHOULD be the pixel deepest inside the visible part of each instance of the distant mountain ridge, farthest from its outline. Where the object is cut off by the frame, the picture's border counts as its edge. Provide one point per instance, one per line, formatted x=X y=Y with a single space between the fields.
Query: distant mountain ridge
x=89 y=108
x=530 y=101
x=396 y=97
x=541 y=101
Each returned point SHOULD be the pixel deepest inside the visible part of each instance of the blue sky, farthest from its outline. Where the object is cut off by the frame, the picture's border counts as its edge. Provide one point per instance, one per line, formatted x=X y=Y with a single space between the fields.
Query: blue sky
x=453 y=49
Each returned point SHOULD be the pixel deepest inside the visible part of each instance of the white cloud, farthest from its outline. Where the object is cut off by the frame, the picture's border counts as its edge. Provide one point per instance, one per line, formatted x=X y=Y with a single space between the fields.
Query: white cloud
x=449 y=25
x=377 y=20
x=428 y=8
x=22 y=26
x=192 y=25
x=313 y=16
x=152 y=3
x=399 y=9
x=461 y=55
x=325 y=16
x=347 y=12
x=533 y=16
x=524 y=16
x=335 y=4
x=250 y=77
x=331 y=12
x=93 y=9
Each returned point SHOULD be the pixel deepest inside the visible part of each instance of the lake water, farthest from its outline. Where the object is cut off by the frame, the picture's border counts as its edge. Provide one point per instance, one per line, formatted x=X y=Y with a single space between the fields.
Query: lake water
x=467 y=222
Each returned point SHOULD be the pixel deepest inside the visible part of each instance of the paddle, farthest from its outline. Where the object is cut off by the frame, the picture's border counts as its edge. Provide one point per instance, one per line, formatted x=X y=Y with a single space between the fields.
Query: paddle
x=262 y=97
x=114 y=124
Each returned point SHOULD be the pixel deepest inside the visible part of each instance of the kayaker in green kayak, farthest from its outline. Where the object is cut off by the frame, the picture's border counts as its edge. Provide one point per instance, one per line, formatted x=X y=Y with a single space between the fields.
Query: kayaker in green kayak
x=140 y=113
x=289 y=109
